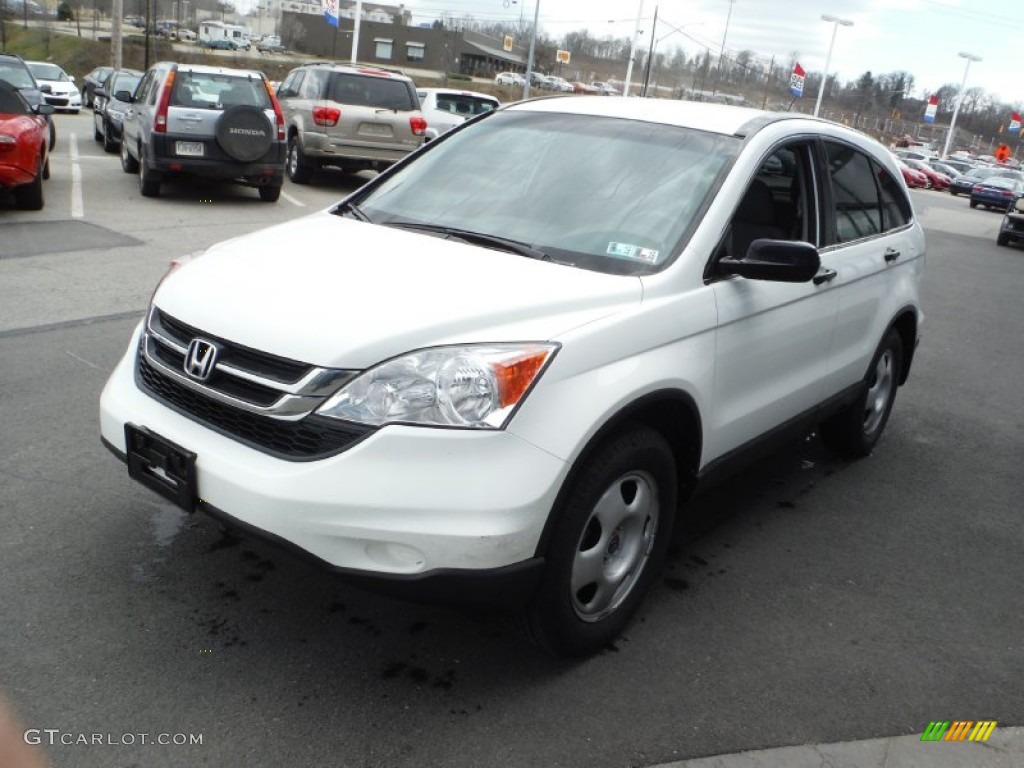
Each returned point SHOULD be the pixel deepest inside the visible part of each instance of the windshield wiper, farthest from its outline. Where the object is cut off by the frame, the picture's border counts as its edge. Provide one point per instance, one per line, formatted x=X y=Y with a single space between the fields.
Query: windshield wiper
x=353 y=209
x=476 y=238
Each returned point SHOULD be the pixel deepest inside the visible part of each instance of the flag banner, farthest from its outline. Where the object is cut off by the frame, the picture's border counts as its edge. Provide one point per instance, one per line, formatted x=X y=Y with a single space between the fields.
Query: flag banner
x=796 y=80
x=1014 y=122
x=931 y=109
x=330 y=11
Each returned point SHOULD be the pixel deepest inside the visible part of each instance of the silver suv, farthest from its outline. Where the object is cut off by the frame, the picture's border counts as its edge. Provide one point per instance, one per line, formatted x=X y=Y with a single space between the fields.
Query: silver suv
x=354 y=118
x=216 y=123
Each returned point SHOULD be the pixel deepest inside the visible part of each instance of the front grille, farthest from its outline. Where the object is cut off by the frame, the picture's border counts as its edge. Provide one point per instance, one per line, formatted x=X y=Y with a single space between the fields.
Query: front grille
x=313 y=437
x=270 y=366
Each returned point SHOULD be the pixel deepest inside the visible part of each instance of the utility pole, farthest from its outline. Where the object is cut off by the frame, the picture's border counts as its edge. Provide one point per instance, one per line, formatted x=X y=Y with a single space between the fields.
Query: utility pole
x=650 y=54
x=632 y=49
x=117 y=14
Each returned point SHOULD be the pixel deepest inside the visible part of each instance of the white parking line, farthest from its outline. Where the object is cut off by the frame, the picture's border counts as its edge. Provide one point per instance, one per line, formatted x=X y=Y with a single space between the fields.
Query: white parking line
x=77 y=207
x=293 y=200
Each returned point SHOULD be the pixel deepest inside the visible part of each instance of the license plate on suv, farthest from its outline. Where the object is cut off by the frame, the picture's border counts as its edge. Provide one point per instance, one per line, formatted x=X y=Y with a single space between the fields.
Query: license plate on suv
x=161 y=466
x=189 y=148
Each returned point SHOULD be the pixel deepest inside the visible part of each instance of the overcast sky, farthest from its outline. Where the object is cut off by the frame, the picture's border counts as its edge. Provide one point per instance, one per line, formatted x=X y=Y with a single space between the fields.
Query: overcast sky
x=922 y=37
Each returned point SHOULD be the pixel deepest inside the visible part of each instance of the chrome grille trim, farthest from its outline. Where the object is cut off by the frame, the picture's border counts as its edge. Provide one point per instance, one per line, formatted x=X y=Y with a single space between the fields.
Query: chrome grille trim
x=277 y=398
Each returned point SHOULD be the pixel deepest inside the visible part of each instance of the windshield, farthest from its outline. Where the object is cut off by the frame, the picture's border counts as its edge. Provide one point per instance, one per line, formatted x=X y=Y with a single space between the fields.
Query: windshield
x=43 y=71
x=608 y=194
x=14 y=72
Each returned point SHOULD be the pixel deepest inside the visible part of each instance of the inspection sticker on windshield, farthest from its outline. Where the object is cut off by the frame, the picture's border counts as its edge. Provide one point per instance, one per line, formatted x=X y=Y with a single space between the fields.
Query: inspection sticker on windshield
x=629 y=251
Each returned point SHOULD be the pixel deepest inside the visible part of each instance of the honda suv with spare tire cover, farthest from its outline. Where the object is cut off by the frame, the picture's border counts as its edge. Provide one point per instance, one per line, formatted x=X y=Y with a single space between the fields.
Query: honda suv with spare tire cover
x=211 y=122
x=494 y=371
x=353 y=118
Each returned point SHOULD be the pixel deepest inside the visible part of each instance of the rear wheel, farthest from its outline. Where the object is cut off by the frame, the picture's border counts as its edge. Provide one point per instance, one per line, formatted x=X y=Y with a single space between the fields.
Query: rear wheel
x=608 y=543
x=855 y=430
x=149 y=180
x=109 y=145
x=29 y=197
x=270 y=193
x=1002 y=240
x=974 y=204
x=300 y=170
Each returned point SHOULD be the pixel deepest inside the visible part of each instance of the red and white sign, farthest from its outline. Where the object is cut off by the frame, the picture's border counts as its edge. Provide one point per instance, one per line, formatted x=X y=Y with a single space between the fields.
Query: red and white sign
x=1014 y=122
x=796 y=80
x=931 y=109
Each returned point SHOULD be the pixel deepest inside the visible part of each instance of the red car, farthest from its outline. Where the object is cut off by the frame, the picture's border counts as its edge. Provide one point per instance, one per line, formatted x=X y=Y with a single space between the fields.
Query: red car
x=24 y=144
x=936 y=180
x=914 y=179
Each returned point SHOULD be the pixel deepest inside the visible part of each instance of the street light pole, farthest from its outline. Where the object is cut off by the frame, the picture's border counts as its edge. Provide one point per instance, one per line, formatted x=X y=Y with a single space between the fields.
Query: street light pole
x=836 y=21
x=533 y=47
x=632 y=49
x=959 y=99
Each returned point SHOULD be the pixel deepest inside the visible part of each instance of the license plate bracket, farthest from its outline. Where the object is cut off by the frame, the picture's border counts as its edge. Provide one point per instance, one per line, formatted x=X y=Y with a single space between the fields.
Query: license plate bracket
x=189 y=148
x=161 y=466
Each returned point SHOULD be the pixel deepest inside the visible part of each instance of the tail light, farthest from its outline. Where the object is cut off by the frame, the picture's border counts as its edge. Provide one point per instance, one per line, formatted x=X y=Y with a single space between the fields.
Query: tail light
x=278 y=114
x=327 y=116
x=418 y=125
x=8 y=143
x=160 y=122
x=977 y=188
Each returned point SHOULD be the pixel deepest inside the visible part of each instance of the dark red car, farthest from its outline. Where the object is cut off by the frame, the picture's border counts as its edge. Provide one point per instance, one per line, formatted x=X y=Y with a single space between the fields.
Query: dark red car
x=914 y=179
x=936 y=180
x=24 y=147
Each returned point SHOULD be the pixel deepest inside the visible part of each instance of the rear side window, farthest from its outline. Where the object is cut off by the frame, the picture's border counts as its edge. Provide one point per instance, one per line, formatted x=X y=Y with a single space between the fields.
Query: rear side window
x=201 y=90
x=15 y=73
x=378 y=92
x=459 y=104
x=855 y=196
x=896 y=210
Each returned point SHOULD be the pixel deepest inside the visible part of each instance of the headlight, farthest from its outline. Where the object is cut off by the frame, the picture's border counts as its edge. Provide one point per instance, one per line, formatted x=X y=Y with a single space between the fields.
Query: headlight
x=476 y=386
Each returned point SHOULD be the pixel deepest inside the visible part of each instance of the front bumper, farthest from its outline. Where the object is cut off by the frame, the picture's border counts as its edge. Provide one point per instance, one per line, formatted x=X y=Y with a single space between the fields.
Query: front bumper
x=405 y=507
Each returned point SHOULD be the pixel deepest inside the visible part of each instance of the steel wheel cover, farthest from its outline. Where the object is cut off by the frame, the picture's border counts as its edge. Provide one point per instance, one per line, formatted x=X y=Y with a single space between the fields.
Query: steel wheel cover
x=614 y=546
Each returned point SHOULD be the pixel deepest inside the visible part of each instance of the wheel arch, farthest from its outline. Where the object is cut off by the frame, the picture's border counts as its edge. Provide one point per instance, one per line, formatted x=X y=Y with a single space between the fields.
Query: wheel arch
x=673 y=414
x=905 y=324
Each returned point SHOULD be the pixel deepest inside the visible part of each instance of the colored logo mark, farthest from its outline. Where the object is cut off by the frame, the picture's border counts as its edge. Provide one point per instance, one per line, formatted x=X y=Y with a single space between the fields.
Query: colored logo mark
x=958 y=730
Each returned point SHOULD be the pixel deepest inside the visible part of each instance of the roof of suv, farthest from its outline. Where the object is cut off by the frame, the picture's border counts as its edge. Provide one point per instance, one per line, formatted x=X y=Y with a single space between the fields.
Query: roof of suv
x=395 y=74
x=207 y=69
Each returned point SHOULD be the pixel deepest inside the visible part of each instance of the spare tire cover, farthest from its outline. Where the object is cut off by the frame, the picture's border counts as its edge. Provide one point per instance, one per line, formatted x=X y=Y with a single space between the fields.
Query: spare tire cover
x=244 y=133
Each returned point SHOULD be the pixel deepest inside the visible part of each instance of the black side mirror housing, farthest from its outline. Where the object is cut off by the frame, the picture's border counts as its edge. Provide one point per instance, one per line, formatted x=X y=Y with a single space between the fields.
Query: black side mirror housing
x=784 y=261
x=44 y=109
x=125 y=96
x=46 y=88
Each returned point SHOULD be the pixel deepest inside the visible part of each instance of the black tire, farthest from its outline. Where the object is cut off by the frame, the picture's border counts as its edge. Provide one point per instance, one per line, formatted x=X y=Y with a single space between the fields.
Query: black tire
x=856 y=430
x=149 y=180
x=597 y=571
x=96 y=135
x=1002 y=240
x=46 y=168
x=128 y=163
x=270 y=193
x=244 y=133
x=953 y=192
x=53 y=134
x=29 y=197
x=974 y=204
x=299 y=169
x=109 y=145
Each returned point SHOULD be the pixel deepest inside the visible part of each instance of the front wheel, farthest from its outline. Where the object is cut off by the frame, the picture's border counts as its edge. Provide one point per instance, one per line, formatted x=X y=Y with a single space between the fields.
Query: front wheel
x=149 y=180
x=109 y=144
x=856 y=429
x=1002 y=240
x=29 y=197
x=609 y=541
x=128 y=163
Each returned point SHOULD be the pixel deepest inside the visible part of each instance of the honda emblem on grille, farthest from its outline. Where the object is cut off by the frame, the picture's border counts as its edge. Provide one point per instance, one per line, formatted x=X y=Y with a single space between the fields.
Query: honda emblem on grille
x=200 y=359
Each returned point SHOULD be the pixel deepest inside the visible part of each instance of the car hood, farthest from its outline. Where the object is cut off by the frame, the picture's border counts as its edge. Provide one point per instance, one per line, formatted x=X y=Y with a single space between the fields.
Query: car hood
x=340 y=293
x=58 y=86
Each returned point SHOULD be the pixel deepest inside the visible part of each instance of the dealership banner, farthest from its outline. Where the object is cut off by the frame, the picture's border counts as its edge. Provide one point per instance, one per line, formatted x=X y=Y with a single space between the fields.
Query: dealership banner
x=796 y=80
x=330 y=11
x=931 y=109
x=1014 y=122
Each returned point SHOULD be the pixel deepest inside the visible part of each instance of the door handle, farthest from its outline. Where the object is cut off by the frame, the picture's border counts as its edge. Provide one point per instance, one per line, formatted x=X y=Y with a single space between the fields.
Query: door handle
x=891 y=254
x=825 y=276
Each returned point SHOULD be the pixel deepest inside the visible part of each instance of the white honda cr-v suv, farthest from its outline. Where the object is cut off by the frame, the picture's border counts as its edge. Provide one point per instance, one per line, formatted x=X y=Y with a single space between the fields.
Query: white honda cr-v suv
x=496 y=371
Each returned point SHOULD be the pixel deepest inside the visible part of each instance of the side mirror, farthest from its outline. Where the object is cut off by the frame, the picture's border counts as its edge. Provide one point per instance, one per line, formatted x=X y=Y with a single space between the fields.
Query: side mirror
x=125 y=96
x=46 y=88
x=100 y=92
x=783 y=261
x=71 y=78
x=44 y=109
